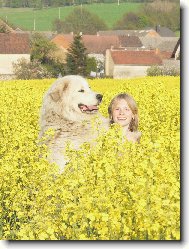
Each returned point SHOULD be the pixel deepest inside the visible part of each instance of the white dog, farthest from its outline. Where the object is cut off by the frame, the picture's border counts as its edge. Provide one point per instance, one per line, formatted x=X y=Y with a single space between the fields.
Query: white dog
x=68 y=107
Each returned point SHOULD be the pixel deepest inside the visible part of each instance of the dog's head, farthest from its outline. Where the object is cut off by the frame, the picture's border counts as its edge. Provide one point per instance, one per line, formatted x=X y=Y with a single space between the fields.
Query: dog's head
x=74 y=95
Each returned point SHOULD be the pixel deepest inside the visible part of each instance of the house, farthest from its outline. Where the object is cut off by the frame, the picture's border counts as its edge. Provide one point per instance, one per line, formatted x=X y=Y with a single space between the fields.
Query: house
x=174 y=61
x=168 y=48
x=149 y=32
x=12 y=48
x=162 y=43
x=164 y=31
x=123 y=55
x=129 y=64
x=97 y=45
x=176 y=51
x=140 y=33
x=130 y=42
x=5 y=27
x=63 y=41
x=93 y=43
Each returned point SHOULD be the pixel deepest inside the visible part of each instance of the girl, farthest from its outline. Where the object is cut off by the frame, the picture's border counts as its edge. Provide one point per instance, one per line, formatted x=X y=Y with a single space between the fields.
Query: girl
x=123 y=110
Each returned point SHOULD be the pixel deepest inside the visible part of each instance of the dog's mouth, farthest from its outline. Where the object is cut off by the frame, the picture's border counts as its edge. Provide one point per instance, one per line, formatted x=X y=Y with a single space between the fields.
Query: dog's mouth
x=88 y=108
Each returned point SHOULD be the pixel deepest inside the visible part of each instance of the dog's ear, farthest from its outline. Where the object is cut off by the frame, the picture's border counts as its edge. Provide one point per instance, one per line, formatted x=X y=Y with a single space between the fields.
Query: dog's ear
x=57 y=93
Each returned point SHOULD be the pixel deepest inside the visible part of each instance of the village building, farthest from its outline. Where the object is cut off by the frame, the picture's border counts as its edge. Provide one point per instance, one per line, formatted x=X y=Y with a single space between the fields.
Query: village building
x=140 y=33
x=12 y=48
x=162 y=43
x=129 y=64
x=96 y=45
x=120 y=53
x=164 y=31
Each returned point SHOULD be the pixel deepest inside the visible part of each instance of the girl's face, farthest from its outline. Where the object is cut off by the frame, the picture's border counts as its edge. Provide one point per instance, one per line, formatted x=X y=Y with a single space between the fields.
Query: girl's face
x=121 y=113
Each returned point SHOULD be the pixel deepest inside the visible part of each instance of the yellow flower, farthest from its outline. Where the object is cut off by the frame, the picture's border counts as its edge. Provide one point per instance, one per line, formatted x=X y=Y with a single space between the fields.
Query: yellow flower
x=114 y=190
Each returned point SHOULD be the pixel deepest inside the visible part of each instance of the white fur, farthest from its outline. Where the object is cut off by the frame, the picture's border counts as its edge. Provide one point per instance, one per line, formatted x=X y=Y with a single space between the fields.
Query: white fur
x=60 y=111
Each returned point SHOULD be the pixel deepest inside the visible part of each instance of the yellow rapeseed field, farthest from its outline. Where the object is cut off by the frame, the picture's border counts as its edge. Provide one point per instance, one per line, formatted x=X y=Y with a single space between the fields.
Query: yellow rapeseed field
x=113 y=191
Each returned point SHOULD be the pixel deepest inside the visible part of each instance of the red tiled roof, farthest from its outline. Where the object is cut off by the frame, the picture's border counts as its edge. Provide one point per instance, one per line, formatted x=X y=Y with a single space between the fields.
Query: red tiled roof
x=13 y=43
x=153 y=33
x=136 y=57
x=93 y=43
x=165 y=54
x=98 y=44
x=130 y=41
x=63 y=41
x=139 y=33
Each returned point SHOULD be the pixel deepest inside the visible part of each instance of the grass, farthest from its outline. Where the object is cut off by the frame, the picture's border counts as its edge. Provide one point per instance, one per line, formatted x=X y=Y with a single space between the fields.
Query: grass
x=24 y=17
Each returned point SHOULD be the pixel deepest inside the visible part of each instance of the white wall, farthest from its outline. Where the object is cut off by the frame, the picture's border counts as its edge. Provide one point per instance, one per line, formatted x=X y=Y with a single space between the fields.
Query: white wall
x=6 y=61
x=123 y=71
x=109 y=64
x=98 y=57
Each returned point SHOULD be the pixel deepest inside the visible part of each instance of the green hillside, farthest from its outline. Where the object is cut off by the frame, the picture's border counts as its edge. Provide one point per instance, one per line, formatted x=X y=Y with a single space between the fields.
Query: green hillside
x=24 y=17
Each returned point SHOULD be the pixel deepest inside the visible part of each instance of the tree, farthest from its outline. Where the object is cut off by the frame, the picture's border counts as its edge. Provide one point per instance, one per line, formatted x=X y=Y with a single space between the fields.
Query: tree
x=80 y=20
x=58 y=25
x=132 y=21
x=41 y=48
x=77 y=57
x=164 y=13
x=91 y=65
x=158 y=12
x=47 y=54
x=3 y=28
x=30 y=70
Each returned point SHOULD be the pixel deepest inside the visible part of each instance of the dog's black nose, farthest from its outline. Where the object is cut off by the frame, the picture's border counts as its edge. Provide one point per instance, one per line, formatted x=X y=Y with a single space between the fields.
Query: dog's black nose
x=99 y=97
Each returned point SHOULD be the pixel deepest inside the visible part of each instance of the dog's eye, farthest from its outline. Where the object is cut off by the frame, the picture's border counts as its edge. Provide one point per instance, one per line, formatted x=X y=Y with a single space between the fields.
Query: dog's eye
x=81 y=91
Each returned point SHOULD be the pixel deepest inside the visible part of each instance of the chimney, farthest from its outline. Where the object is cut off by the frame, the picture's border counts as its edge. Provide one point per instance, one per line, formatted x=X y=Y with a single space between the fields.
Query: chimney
x=157 y=51
x=157 y=27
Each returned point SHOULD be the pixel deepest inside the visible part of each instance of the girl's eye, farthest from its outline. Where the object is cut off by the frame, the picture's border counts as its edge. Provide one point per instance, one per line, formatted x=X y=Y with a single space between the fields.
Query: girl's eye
x=81 y=91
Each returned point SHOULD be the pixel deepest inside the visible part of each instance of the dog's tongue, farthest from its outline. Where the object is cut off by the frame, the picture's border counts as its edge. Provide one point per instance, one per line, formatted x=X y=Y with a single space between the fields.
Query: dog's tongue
x=89 y=108
x=92 y=107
